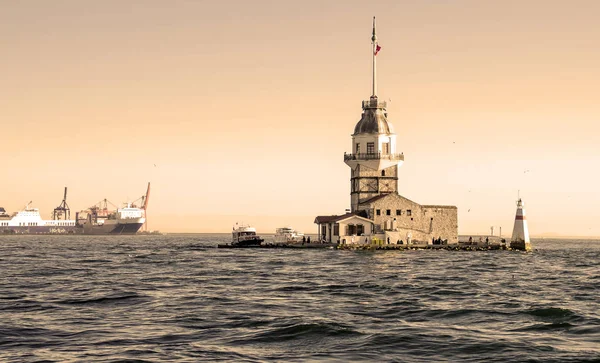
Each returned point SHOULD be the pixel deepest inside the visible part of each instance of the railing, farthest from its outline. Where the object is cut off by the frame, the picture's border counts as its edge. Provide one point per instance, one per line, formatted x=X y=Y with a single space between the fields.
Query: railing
x=374 y=103
x=373 y=156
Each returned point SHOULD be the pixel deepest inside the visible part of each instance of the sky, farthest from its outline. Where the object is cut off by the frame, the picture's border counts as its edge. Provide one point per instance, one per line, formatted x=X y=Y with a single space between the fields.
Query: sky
x=241 y=111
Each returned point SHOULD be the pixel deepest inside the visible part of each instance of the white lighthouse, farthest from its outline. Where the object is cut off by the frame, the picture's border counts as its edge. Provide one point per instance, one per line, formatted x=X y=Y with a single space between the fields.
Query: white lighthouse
x=374 y=160
x=520 y=236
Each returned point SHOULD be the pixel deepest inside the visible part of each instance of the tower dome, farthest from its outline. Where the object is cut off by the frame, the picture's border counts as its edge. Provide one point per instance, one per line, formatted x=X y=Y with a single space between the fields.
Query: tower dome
x=374 y=119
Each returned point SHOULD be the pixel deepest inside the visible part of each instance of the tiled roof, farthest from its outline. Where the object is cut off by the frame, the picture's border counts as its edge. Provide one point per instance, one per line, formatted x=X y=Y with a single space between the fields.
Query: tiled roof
x=330 y=219
x=440 y=206
x=374 y=198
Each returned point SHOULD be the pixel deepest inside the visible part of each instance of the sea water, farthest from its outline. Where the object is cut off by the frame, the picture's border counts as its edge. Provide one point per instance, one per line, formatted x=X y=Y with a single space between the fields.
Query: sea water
x=176 y=298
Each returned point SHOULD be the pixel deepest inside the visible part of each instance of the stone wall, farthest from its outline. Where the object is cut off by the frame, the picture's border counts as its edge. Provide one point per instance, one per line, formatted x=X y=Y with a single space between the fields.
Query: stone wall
x=422 y=223
x=371 y=183
x=364 y=171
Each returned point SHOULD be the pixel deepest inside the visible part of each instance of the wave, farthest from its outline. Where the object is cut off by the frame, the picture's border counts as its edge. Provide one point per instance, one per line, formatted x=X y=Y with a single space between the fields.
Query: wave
x=552 y=313
x=111 y=299
x=545 y=327
x=301 y=331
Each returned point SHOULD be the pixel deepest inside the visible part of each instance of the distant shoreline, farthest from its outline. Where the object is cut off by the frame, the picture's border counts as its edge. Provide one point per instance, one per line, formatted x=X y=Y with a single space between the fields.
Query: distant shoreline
x=314 y=234
x=507 y=237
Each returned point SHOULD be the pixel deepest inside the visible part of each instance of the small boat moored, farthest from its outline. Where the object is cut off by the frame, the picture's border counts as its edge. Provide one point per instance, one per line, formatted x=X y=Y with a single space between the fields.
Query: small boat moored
x=244 y=236
x=288 y=235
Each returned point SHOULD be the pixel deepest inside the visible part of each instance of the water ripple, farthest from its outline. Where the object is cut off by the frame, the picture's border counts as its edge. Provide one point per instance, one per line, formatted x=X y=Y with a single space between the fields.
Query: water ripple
x=177 y=298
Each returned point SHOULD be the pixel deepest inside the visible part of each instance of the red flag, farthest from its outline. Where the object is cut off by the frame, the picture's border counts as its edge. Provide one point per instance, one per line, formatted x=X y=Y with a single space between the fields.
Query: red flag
x=377 y=49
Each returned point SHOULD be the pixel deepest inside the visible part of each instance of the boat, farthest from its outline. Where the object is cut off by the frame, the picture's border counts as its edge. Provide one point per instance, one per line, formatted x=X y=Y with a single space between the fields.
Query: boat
x=288 y=235
x=244 y=235
x=29 y=221
x=100 y=219
x=95 y=220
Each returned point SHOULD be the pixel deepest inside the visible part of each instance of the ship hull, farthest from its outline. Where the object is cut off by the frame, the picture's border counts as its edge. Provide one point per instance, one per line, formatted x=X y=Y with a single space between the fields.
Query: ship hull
x=255 y=242
x=248 y=242
x=127 y=228
x=119 y=228
x=40 y=230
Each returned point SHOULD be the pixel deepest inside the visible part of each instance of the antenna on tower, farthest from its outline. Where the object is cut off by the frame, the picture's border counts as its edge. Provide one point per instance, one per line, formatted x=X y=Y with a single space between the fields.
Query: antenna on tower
x=376 y=48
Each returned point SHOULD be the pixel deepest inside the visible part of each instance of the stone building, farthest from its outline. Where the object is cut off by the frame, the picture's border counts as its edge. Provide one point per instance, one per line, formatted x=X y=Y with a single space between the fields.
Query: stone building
x=377 y=210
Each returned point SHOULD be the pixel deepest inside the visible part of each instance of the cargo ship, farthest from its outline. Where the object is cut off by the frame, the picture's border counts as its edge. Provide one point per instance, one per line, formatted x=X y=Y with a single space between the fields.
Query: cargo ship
x=96 y=220
x=126 y=220
x=99 y=219
x=29 y=221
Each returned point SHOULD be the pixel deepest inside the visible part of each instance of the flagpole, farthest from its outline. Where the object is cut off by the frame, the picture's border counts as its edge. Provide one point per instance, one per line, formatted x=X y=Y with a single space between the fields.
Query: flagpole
x=374 y=44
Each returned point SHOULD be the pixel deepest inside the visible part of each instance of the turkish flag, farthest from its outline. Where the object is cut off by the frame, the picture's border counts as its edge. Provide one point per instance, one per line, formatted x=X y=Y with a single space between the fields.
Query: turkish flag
x=377 y=49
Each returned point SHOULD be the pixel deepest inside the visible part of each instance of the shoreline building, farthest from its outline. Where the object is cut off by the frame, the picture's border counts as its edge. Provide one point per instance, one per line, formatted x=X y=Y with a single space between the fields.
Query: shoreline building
x=377 y=210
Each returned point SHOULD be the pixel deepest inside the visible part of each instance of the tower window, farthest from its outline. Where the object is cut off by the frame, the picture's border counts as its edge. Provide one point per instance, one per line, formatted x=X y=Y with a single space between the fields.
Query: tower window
x=388 y=212
x=409 y=212
x=378 y=212
x=385 y=148
x=383 y=173
x=370 y=148
x=398 y=212
x=358 y=148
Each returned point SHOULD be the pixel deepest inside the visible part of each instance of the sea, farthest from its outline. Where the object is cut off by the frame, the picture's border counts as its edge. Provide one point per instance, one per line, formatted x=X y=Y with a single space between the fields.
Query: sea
x=178 y=298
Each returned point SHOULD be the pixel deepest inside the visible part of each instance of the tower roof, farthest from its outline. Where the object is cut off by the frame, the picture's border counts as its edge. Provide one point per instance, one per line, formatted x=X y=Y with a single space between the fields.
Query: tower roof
x=374 y=118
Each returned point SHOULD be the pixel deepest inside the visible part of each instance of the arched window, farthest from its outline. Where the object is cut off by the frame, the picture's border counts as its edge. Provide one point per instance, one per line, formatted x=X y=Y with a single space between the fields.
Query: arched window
x=383 y=173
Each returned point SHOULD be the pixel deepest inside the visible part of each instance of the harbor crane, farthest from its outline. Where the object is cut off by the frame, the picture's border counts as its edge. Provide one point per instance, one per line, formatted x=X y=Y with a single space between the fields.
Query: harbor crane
x=62 y=211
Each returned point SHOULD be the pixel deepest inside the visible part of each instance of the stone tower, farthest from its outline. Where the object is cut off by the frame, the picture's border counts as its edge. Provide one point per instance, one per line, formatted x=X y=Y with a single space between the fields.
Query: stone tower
x=374 y=160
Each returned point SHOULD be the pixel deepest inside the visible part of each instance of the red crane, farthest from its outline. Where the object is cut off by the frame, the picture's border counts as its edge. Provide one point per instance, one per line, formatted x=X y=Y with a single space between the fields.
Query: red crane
x=145 y=206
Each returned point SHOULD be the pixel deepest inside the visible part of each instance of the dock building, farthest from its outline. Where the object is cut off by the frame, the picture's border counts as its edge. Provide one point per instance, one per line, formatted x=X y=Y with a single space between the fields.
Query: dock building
x=377 y=210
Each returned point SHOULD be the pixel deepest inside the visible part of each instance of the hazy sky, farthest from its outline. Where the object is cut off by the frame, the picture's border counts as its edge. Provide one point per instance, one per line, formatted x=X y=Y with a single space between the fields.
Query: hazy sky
x=246 y=107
